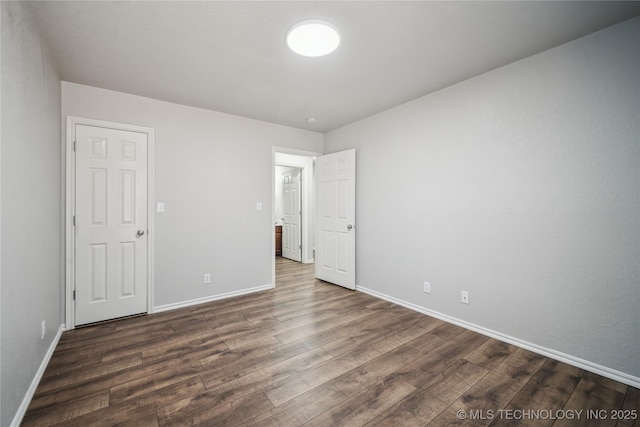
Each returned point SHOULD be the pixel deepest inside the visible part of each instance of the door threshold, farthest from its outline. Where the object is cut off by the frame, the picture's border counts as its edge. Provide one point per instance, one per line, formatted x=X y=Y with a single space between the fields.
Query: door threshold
x=102 y=322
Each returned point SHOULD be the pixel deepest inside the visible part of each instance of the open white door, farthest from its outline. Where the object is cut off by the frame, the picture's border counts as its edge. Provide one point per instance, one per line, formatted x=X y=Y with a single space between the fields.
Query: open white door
x=110 y=223
x=336 y=214
x=291 y=232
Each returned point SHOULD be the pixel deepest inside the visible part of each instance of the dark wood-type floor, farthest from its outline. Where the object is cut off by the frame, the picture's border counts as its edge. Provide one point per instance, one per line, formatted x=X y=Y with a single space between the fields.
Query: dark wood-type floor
x=314 y=354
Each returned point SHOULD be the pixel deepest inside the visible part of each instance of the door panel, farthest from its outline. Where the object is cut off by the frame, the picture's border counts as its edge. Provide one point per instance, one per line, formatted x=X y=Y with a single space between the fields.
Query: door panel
x=336 y=246
x=111 y=208
x=128 y=194
x=98 y=197
x=291 y=205
x=98 y=272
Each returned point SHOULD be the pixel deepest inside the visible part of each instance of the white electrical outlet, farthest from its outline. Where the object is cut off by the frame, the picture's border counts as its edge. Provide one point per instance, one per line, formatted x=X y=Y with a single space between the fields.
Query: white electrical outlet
x=464 y=297
x=427 y=287
x=43 y=329
x=207 y=278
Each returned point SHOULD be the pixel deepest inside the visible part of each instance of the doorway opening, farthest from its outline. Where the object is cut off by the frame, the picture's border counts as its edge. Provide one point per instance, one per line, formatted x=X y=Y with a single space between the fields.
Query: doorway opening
x=293 y=205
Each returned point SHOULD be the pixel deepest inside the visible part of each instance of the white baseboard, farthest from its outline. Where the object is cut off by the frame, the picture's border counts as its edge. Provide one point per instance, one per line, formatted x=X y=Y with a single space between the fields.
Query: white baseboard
x=557 y=355
x=22 y=410
x=173 y=306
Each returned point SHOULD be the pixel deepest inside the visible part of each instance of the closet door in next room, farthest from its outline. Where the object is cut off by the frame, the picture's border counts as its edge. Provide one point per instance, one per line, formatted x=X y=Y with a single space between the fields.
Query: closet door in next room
x=291 y=210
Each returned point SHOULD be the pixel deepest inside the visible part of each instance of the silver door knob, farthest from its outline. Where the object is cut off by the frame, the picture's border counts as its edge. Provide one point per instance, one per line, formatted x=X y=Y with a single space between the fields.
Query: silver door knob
x=349 y=226
x=140 y=233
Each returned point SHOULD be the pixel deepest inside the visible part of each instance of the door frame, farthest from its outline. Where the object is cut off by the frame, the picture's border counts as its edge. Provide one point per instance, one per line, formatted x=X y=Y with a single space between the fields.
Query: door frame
x=70 y=195
x=296 y=152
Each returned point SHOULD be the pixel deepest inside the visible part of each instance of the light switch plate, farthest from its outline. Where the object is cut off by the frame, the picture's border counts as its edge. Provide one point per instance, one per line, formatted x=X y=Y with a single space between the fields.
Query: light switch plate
x=160 y=207
x=464 y=297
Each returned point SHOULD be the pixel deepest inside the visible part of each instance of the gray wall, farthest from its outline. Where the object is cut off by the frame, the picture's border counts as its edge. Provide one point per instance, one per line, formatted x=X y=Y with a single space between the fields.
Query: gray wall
x=210 y=171
x=31 y=236
x=521 y=186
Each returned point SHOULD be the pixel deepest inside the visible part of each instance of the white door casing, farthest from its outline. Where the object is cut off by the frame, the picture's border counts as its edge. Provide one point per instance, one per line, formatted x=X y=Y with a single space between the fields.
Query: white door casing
x=336 y=213
x=110 y=271
x=291 y=230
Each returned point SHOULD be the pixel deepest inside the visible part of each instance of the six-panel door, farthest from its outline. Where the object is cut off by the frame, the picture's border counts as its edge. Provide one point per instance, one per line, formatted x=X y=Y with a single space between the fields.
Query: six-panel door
x=336 y=211
x=111 y=223
x=291 y=210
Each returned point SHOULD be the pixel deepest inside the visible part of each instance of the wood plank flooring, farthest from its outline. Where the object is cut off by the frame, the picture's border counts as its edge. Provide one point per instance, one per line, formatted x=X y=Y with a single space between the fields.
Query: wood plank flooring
x=313 y=354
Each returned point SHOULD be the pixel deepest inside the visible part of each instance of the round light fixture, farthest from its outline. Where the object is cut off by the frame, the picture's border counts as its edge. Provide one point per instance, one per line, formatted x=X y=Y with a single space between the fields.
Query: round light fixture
x=313 y=38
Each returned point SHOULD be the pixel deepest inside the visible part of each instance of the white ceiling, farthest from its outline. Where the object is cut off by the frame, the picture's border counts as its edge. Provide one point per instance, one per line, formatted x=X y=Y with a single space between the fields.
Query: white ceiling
x=231 y=56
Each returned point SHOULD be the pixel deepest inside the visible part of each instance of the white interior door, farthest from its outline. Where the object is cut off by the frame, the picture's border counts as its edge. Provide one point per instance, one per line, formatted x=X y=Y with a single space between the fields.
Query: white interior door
x=336 y=213
x=110 y=223
x=291 y=208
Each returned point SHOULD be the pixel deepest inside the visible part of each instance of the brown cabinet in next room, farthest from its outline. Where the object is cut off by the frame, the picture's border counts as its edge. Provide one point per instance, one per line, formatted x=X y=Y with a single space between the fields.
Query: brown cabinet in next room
x=278 y=240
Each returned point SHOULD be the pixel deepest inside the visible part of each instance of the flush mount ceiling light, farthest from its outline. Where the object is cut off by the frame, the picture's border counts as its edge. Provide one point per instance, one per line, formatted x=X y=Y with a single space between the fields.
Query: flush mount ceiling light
x=313 y=38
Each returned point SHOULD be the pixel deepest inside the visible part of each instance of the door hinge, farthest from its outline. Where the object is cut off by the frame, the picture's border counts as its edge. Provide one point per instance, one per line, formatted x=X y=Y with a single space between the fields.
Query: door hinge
x=300 y=247
x=74 y=294
x=74 y=220
x=75 y=145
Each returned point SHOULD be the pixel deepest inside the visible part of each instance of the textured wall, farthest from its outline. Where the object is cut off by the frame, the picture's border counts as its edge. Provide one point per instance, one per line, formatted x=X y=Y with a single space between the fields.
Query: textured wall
x=521 y=186
x=32 y=262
